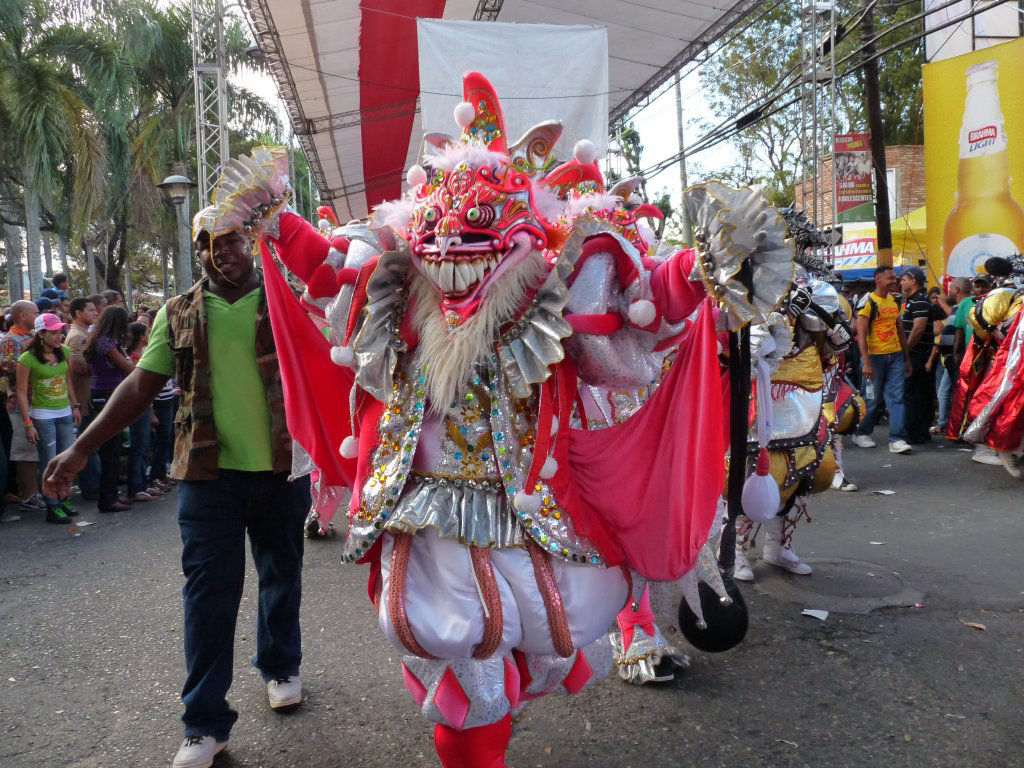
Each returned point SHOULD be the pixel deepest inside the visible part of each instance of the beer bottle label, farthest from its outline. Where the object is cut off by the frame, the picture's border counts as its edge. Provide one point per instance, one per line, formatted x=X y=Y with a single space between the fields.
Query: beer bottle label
x=969 y=255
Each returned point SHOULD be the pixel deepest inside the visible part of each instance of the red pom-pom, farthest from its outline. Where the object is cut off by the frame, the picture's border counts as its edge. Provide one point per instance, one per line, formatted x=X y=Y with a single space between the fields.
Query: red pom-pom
x=340 y=243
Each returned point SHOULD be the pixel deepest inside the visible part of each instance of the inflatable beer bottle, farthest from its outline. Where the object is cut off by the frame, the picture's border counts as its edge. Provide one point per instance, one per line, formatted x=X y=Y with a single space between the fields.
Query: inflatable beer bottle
x=986 y=221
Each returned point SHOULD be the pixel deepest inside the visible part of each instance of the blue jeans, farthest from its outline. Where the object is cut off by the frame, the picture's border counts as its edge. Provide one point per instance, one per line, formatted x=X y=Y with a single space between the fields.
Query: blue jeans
x=89 y=477
x=946 y=381
x=55 y=435
x=214 y=517
x=887 y=382
x=137 y=450
x=163 y=442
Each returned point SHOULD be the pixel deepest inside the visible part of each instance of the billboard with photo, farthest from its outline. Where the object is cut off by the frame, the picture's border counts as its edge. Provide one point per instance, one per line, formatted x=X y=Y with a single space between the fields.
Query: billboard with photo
x=852 y=174
x=974 y=158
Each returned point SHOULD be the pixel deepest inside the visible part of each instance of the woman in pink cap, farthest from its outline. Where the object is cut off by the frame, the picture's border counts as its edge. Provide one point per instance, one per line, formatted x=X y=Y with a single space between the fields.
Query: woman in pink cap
x=47 y=411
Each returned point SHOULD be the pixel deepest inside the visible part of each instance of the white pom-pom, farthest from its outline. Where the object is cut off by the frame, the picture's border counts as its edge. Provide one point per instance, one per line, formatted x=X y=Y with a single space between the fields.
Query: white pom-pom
x=527 y=504
x=554 y=424
x=584 y=152
x=349 y=447
x=464 y=114
x=323 y=225
x=342 y=355
x=642 y=313
x=549 y=469
x=415 y=176
x=760 y=497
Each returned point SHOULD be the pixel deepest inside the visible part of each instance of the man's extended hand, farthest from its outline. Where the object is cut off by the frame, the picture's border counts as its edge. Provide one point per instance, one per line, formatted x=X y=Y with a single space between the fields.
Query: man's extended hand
x=60 y=473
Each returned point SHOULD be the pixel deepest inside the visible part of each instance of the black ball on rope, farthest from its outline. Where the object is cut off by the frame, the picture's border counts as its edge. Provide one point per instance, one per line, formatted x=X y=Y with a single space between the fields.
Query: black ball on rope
x=726 y=624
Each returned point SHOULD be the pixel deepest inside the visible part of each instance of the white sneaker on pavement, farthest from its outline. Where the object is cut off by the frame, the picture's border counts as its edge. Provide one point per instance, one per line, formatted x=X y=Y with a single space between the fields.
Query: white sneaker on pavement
x=787 y=559
x=900 y=446
x=985 y=455
x=848 y=486
x=198 y=752
x=284 y=693
x=741 y=570
x=863 y=441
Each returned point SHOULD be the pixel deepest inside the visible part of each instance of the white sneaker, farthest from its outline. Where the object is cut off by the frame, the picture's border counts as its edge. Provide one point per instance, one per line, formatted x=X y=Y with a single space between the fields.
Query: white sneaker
x=198 y=752
x=985 y=455
x=741 y=568
x=1014 y=464
x=848 y=486
x=284 y=693
x=863 y=441
x=900 y=446
x=787 y=559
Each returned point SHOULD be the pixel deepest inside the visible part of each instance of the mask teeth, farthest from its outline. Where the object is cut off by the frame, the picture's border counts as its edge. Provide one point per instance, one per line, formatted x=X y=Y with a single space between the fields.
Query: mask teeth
x=692 y=597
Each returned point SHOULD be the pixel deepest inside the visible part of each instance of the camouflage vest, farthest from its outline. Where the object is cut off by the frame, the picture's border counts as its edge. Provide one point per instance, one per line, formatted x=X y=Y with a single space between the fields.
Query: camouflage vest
x=195 y=447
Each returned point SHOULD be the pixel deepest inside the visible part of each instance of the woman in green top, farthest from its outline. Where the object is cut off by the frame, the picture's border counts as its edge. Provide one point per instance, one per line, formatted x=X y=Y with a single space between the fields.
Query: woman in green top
x=49 y=415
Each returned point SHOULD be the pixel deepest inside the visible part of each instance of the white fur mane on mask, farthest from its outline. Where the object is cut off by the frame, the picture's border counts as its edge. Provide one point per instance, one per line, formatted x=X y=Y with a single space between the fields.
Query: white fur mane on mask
x=449 y=157
x=450 y=355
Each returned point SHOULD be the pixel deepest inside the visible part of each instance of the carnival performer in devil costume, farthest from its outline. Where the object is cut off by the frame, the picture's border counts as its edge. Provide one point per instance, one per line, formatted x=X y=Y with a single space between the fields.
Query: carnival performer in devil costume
x=792 y=436
x=995 y=413
x=502 y=542
x=842 y=404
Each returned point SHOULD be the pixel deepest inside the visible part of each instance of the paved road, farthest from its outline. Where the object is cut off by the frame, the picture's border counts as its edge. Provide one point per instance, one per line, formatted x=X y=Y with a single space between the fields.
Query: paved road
x=91 y=659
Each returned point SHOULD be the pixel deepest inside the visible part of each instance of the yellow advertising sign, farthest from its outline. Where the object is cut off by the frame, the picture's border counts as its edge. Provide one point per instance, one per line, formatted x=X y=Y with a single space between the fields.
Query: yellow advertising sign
x=974 y=158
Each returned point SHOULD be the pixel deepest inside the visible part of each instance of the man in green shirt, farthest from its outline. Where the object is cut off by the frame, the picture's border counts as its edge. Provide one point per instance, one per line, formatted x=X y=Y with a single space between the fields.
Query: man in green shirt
x=962 y=322
x=233 y=455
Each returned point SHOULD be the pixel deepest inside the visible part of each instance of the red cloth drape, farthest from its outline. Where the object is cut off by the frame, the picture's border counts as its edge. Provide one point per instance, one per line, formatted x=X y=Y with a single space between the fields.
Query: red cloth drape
x=316 y=391
x=1007 y=423
x=653 y=482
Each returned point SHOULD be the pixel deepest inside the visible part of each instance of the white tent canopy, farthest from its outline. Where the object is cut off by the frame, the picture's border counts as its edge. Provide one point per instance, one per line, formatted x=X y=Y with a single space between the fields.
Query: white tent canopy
x=348 y=71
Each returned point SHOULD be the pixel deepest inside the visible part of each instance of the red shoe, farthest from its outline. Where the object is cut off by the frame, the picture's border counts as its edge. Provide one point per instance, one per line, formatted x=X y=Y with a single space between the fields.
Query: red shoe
x=482 y=747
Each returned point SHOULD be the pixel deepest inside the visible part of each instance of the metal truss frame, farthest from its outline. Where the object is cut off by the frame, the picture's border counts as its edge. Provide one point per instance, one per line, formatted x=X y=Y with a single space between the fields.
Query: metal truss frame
x=211 y=96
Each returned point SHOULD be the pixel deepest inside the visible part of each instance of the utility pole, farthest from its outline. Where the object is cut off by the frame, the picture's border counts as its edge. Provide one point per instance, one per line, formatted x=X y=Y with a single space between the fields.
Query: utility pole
x=872 y=95
x=684 y=219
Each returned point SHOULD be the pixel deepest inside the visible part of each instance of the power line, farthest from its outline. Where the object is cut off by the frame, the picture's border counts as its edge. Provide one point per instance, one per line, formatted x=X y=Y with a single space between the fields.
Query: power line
x=713 y=138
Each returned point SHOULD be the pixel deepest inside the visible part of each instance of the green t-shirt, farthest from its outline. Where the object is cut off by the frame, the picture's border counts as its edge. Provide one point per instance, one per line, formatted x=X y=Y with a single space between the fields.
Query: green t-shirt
x=47 y=382
x=240 y=411
x=962 y=319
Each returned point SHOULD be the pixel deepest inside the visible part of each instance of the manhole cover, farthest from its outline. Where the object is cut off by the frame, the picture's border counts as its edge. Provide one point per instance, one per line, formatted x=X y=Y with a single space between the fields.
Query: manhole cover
x=842 y=586
x=845 y=579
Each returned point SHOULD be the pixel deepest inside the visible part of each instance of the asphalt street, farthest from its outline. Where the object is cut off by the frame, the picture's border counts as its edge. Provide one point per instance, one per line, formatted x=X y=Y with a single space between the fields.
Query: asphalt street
x=917 y=664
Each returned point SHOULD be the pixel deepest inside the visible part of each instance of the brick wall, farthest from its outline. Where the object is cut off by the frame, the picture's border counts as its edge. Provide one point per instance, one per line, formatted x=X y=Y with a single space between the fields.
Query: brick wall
x=907 y=158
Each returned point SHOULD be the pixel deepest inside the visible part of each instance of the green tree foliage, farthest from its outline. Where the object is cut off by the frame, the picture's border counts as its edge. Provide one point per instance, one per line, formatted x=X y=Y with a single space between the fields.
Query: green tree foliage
x=747 y=72
x=899 y=74
x=761 y=67
x=57 y=83
x=95 y=108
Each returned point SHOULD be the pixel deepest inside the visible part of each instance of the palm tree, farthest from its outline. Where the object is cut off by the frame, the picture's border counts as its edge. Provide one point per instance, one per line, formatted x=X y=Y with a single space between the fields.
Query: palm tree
x=154 y=127
x=54 y=80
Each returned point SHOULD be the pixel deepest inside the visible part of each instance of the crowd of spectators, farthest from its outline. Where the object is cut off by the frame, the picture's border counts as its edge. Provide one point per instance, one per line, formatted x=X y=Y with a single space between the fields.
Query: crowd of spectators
x=60 y=360
x=910 y=343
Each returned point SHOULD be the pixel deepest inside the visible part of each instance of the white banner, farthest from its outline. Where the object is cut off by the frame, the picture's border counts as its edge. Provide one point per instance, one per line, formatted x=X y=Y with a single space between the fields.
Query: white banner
x=540 y=71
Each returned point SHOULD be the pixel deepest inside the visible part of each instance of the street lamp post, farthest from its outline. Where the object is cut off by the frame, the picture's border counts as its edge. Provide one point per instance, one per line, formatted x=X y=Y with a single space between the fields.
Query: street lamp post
x=178 y=186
